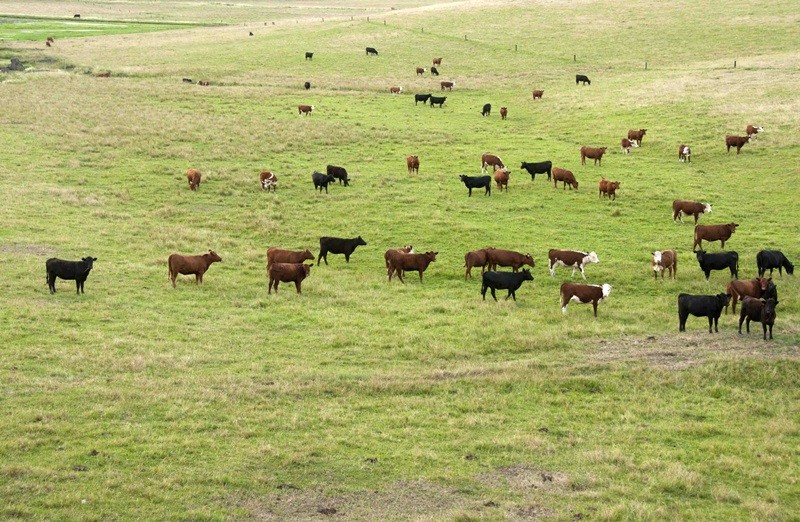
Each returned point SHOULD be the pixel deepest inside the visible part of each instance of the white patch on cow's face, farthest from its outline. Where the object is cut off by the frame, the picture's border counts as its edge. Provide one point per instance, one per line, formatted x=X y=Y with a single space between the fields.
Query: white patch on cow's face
x=657 y=256
x=759 y=129
x=591 y=257
x=312 y=107
x=606 y=290
x=707 y=209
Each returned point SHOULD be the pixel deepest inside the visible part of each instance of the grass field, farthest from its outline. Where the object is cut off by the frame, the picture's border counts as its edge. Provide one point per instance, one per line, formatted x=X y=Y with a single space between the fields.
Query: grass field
x=376 y=399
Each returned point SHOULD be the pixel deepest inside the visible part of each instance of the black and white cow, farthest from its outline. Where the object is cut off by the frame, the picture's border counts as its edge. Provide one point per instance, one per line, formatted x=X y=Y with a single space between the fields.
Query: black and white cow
x=570 y=259
x=472 y=182
x=701 y=306
x=772 y=259
x=542 y=167
x=510 y=281
x=718 y=261
x=77 y=270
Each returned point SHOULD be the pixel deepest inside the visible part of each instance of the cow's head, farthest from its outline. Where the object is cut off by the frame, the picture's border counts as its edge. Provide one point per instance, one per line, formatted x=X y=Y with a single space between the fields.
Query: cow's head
x=307 y=255
x=706 y=208
x=408 y=249
x=732 y=227
x=613 y=185
x=701 y=254
x=307 y=270
x=606 y=289
x=89 y=262
x=603 y=150
x=723 y=300
x=591 y=257
x=330 y=178
x=431 y=256
x=526 y=275
x=311 y=108
x=686 y=151
x=213 y=256
x=463 y=178
x=768 y=313
x=759 y=129
x=529 y=260
x=360 y=241
x=788 y=266
x=763 y=282
x=657 y=257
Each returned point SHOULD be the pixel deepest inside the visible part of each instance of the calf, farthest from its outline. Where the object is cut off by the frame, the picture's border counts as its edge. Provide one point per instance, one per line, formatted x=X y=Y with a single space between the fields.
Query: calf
x=608 y=188
x=713 y=233
x=437 y=100
x=490 y=159
x=193 y=177
x=286 y=273
x=371 y=51
x=663 y=261
x=593 y=153
x=48 y=44
x=447 y=85
x=185 y=265
x=690 y=208
x=412 y=162
x=752 y=130
x=762 y=310
x=565 y=176
x=399 y=263
x=701 y=306
x=321 y=180
x=434 y=71
x=309 y=56
x=279 y=255
x=543 y=167
x=420 y=71
x=336 y=245
x=304 y=109
x=510 y=281
x=421 y=98
x=396 y=90
x=537 y=95
x=637 y=135
x=736 y=141
x=582 y=78
x=583 y=294
x=718 y=261
x=77 y=270
x=626 y=145
x=338 y=173
x=570 y=259
x=307 y=85
x=268 y=180
x=437 y=61
x=476 y=258
x=501 y=178
x=403 y=250
x=503 y=112
x=472 y=182
x=499 y=257
x=759 y=287
x=685 y=153
x=772 y=259
x=487 y=110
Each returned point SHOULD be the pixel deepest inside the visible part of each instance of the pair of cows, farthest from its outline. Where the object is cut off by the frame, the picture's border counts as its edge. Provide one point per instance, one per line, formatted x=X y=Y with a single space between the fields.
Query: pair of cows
x=711 y=306
x=332 y=173
x=487 y=111
x=490 y=258
x=740 y=141
x=429 y=98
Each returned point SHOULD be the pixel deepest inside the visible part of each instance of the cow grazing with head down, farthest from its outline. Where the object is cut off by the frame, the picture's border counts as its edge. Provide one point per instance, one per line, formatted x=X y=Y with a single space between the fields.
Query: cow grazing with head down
x=202 y=83
x=713 y=233
x=304 y=109
x=772 y=259
x=690 y=208
x=279 y=255
x=447 y=85
x=637 y=135
x=399 y=263
x=665 y=261
x=371 y=51
x=193 y=177
x=757 y=288
x=595 y=153
x=583 y=294
x=510 y=281
x=752 y=130
x=412 y=162
x=434 y=71
x=420 y=71
x=701 y=306
x=472 y=182
x=307 y=85
x=565 y=176
x=52 y=40
x=476 y=258
x=718 y=261
x=268 y=181
x=437 y=61
x=608 y=188
x=490 y=159
x=186 y=265
x=736 y=141
x=582 y=78
x=762 y=310
x=543 y=167
x=487 y=110
x=570 y=259
x=626 y=145
x=499 y=257
x=537 y=95
x=501 y=178
x=421 y=98
x=337 y=245
x=309 y=56
x=685 y=153
x=503 y=112
x=287 y=273
x=437 y=100
x=187 y=80
x=339 y=173
x=321 y=181
x=396 y=90
x=69 y=270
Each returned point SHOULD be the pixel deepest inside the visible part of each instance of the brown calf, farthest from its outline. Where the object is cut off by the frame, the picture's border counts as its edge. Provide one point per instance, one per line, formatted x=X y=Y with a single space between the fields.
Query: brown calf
x=503 y=112
x=501 y=178
x=663 y=261
x=626 y=145
x=104 y=74
x=193 y=177
x=420 y=71
x=185 y=265
x=395 y=90
x=399 y=263
x=412 y=162
x=592 y=153
x=304 y=109
x=713 y=233
x=637 y=136
x=499 y=257
x=279 y=255
x=286 y=273
x=447 y=85
x=583 y=294
x=690 y=208
x=403 y=250
x=537 y=95
x=476 y=258
x=203 y=83
x=758 y=310
x=47 y=43
x=608 y=188
x=752 y=130
x=685 y=153
x=736 y=141
x=566 y=176
x=738 y=289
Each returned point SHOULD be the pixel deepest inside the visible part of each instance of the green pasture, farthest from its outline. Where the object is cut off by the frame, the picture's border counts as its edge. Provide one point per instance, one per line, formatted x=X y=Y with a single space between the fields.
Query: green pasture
x=22 y=29
x=382 y=400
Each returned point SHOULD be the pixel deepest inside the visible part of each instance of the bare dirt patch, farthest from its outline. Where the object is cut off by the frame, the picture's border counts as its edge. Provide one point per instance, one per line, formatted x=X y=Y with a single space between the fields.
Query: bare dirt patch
x=32 y=249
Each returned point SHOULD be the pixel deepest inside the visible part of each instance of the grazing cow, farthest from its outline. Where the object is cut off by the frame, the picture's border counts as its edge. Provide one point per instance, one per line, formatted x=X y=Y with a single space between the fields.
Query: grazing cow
x=403 y=250
x=772 y=259
x=309 y=56
x=338 y=173
x=501 y=178
x=583 y=294
x=752 y=130
x=412 y=162
x=52 y=40
x=487 y=110
x=395 y=90
x=582 y=78
x=437 y=61
x=187 y=80
x=663 y=261
x=537 y=95
x=251 y=33
x=566 y=176
x=421 y=98
x=499 y=257
x=47 y=43
x=434 y=71
x=76 y=16
x=336 y=245
x=503 y=112
x=504 y=281
x=718 y=261
x=593 y=153
x=399 y=263
x=608 y=188
x=304 y=109
x=762 y=310
x=420 y=71
x=279 y=255
x=713 y=233
x=307 y=85
x=193 y=177
x=203 y=83
x=105 y=74
x=287 y=273
x=77 y=270
x=437 y=100
x=269 y=180
x=472 y=182
x=372 y=51
x=476 y=258
x=637 y=135
x=736 y=141
x=490 y=159
x=701 y=306
x=626 y=145
x=690 y=208
x=684 y=153
x=570 y=259
x=197 y=265
x=543 y=167
x=321 y=180
x=447 y=85
x=759 y=287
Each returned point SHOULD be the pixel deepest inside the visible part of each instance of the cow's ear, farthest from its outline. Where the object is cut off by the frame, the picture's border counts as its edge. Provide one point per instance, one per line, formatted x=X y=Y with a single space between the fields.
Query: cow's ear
x=94 y=259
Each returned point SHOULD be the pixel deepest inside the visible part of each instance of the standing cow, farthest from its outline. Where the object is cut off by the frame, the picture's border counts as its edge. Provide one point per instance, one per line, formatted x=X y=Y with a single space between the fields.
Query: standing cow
x=510 y=281
x=337 y=245
x=762 y=310
x=187 y=265
x=490 y=159
x=412 y=162
x=701 y=306
x=501 y=177
x=268 y=181
x=566 y=177
x=772 y=259
x=713 y=233
x=287 y=273
x=595 y=153
x=685 y=153
x=68 y=270
x=665 y=261
x=503 y=112
x=193 y=177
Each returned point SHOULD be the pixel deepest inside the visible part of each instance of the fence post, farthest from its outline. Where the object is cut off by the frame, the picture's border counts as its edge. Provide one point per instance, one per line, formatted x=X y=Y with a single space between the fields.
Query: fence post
x=465 y=38
x=734 y=64
x=645 y=66
x=574 y=57
x=515 y=47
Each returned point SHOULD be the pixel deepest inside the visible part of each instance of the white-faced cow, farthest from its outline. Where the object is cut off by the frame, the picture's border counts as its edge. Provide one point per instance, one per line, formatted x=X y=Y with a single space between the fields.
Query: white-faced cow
x=420 y=71
x=396 y=90
x=268 y=181
x=490 y=159
x=583 y=294
x=570 y=259
x=304 y=109
x=753 y=130
x=685 y=153
x=664 y=261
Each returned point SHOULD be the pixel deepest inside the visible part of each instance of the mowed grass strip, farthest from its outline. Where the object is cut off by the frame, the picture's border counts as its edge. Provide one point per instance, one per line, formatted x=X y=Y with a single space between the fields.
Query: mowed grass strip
x=23 y=29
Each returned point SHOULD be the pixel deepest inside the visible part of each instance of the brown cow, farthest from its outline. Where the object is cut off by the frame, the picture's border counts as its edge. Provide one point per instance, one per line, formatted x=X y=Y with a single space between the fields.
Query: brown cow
x=566 y=176
x=447 y=85
x=626 y=145
x=503 y=112
x=412 y=162
x=576 y=260
x=713 y=233
x=395 y=90
x=608 y=188
x=47 y=43
x=537 y=95
x=501 y=178
x=437 y=61
x=690 y=208
x=499 y=257
x=736 y=141
x=663 y=261
x=752 y=130
x=197 y=265
x=758 y=310
x=203 y=83
x=286 y=273
x=476 y=258
x=592 y=153
x=193 y=177
x=403 y=250
x=104 y=74
x=583 y=294
x=684 y=153
x=490 y=159
x=268 y=180
x=739 y=288
x=279 y=255
x=399 y=263
x=304 y=109
x=420 y=71
x=637 y=136
x=52 y=40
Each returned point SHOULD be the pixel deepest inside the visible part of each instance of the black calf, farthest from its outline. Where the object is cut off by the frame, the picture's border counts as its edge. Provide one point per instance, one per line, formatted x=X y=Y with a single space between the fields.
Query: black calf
x=77 y=270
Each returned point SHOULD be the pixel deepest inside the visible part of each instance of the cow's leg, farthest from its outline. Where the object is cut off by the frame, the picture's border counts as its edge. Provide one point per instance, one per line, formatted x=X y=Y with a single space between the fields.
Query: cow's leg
x=483 y=291
x=470 y=192
x=420 y=276
x=347 y=257
x=51 y=282
x=78 y=286
x=710 y=324
x=764 y=325
x=493 y=294
x=741 y=320
x=297 y=286
x=276 y=285
x=583 y=275
x=594 y=305
x=489 y=190
x=269 y=286
x=682 y=322
x=399 y=273
x=770 y=331
x=708 y=274
x=748 y=324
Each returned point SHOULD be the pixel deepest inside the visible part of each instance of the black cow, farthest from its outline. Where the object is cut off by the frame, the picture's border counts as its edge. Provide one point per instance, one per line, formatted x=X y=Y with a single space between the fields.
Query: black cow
x=77 y=270
x=187 y=80
x=718 y=261
x=477 y=182
x=337 y=245
x=372 y=50
x=322 y=180
x=434 y=71
x=309 y=56
x=421 y=98
x=772 y=259
x=487 y=110
x=307 y=85
x=543 y=167
x=339 y=173
x=510 y=281
x=701 y=306
x=582 y=78
x=438 y=99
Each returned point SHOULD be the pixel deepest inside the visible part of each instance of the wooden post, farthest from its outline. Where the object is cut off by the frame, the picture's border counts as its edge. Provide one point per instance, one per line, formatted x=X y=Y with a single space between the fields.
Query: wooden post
x=465 y=38
x=734 y=64
x=574 y=57
x=384 y=22
x=515 y=47
x=368 y=19
x=645 y=66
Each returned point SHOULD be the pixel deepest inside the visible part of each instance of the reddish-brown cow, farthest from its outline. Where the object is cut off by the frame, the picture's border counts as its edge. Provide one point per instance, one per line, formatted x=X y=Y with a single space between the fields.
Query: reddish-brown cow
x=193 y=177
x=304 y=109
x=663 y=261
x=185 y=265
x=736 y=141
x=399 y=263
x=490 y=159
x=739 y=288
x=499 y=257
x=447 y=85
x=279 y=255
x=420 y=71
x=608 y=188
x=566 y=176
x=412 y=162
x=501 y=178
x=395 y=90
x=626 y=145
x=690 y=208
x=287 y=273
x=476 y=258
x=437 y=61
x=713 y=233
x=593 y=153
x=637 y=136
x=537 y=95
x=503 y=112
x=403 y=250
